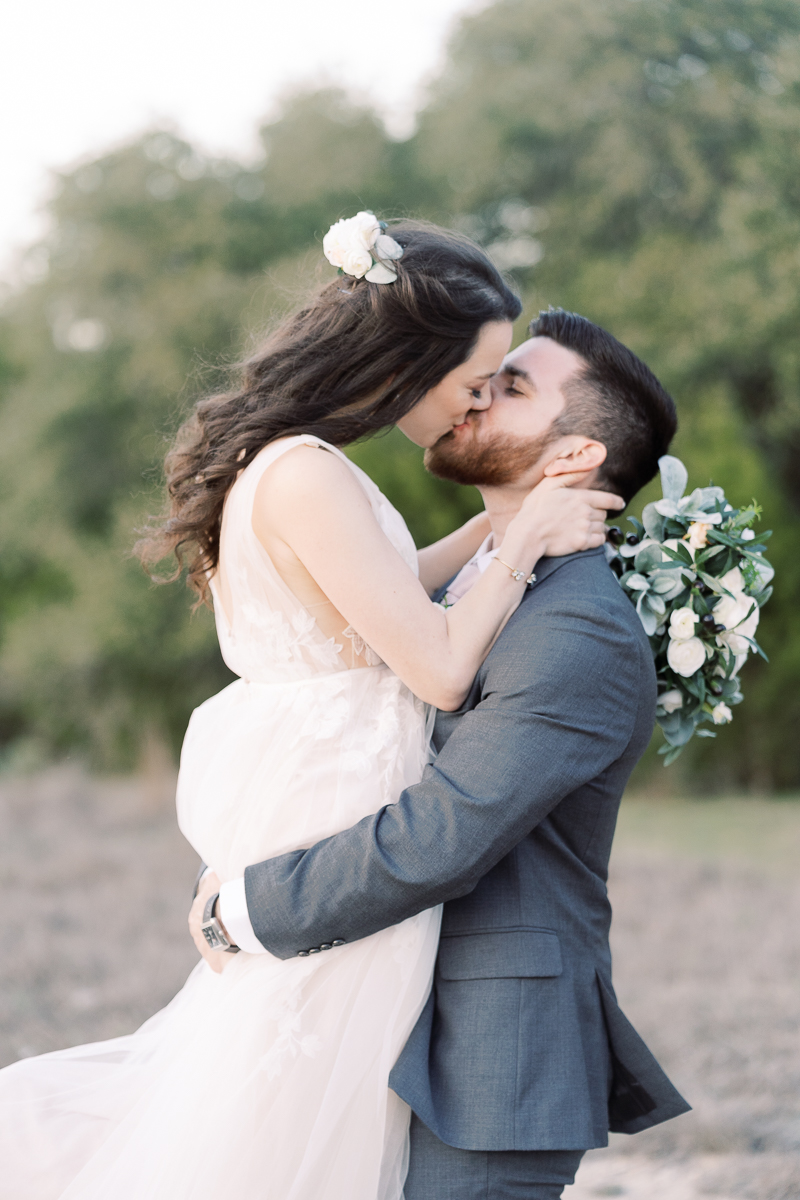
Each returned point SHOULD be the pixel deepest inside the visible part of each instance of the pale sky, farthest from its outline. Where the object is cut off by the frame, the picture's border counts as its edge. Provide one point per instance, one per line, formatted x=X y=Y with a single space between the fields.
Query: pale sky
x=79 y=76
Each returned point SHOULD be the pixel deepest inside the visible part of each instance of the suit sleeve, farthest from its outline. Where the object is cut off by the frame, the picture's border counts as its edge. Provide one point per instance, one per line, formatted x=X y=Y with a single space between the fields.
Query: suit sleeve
x=557 y=707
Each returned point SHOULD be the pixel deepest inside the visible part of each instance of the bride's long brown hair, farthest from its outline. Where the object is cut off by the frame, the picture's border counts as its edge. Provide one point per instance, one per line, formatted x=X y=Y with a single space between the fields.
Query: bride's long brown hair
x=355 y=359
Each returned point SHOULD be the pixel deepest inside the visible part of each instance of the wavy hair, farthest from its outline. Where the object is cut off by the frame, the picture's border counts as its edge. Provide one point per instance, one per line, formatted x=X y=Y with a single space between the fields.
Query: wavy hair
x=355 y=359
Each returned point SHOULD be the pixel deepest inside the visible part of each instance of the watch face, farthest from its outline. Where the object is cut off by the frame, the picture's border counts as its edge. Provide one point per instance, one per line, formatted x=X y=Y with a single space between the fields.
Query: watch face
x=212 y=932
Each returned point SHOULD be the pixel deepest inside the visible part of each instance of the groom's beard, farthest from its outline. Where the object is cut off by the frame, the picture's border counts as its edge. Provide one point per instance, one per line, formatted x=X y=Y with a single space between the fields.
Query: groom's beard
x=492 y=462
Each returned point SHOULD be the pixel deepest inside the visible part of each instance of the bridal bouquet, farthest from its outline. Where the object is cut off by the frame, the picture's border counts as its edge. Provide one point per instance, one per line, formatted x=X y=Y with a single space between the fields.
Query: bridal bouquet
x=696 y=572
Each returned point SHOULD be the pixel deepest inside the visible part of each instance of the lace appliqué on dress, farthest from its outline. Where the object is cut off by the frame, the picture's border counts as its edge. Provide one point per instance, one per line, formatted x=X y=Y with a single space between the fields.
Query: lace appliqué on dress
x=361 y=649
x=291 y=1040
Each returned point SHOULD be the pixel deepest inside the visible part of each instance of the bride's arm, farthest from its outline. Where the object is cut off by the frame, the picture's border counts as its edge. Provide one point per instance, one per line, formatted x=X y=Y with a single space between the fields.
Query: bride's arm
x=439 y=562
x=312 y=502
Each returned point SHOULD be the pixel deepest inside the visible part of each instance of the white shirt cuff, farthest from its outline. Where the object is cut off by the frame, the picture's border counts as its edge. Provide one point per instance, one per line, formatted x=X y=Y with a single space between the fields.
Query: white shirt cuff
x=232 y=912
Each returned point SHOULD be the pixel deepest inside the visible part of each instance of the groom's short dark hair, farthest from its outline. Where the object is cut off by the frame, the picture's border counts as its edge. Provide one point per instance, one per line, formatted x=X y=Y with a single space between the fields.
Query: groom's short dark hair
x=615 y=399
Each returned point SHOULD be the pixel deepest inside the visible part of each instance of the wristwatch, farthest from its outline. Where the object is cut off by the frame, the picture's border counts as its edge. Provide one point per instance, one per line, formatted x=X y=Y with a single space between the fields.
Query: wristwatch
x=212 y=929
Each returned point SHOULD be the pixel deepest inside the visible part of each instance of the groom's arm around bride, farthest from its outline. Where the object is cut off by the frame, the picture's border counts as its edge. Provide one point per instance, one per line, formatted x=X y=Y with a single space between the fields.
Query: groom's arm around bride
x=522 y=1041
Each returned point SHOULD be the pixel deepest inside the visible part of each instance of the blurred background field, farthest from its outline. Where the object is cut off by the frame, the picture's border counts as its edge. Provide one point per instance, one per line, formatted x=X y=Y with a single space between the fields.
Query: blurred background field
x=634 y=160
x=706 y=940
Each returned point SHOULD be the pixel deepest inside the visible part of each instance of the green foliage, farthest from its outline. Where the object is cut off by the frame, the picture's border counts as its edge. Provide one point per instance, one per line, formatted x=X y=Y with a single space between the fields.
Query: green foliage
x=630 y=159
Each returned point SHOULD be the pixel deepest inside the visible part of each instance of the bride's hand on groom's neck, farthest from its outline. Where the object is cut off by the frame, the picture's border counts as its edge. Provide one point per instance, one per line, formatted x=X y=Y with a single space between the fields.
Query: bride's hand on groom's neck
x=562 y=516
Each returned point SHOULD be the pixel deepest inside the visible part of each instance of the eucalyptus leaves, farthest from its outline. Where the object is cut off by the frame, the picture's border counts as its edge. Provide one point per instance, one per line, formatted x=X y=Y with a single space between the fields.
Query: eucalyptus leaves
x=698 y=577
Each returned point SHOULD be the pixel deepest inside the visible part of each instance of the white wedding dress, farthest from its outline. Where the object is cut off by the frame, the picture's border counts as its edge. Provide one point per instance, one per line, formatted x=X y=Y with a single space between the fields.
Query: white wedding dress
x=269 y=1081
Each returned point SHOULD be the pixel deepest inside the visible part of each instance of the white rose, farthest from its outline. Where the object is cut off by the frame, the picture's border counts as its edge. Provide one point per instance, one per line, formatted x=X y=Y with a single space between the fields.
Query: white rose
x=685 y=656
x=347 y=243
x=356 y=260
x=730 y=610
x=368 y=226
x=697 y=536
x=721 y=714
x=335 y=243
x=733 y=581
x=732 y=613
x=670 y=701
x=682 y=623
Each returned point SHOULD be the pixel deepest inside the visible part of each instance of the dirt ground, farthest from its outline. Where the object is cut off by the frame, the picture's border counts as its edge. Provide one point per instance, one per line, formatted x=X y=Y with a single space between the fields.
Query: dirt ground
x=95 y=884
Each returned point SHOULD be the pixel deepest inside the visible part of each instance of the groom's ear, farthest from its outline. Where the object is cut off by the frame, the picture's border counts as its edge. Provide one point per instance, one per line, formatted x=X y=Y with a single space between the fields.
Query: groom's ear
x=575 y=453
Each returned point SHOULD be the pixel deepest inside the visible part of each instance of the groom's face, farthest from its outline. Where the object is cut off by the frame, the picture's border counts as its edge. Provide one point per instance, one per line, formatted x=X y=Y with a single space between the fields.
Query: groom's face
x=512 y=440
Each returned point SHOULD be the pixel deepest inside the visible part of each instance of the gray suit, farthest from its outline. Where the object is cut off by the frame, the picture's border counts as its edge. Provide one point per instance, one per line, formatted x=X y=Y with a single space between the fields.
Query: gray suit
x=522 y=1045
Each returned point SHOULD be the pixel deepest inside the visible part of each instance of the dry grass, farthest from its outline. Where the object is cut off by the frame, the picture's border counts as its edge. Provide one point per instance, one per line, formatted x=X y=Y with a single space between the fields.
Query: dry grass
x=706 y=941
x=96 y=880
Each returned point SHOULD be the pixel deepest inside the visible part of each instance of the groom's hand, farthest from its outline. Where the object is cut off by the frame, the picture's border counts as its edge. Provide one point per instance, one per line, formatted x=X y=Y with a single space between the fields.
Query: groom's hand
x=216 y=959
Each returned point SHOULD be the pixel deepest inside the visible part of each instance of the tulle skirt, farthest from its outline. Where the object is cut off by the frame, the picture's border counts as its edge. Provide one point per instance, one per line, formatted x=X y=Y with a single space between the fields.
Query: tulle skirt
x=269 y=1081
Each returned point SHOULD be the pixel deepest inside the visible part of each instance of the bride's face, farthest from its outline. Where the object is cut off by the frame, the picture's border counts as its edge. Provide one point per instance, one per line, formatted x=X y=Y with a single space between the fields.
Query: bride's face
x=444 y=409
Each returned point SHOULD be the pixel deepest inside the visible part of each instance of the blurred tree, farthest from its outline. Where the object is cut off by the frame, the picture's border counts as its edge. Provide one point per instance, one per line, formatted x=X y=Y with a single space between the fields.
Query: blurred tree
x=631 y=159
x=148 y=280
x=635 y=160
x=640 y=154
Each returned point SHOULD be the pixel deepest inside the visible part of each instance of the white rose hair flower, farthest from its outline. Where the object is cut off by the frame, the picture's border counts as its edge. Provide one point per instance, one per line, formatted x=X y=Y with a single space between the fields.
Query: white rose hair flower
x=359 y=247
x=695 y=569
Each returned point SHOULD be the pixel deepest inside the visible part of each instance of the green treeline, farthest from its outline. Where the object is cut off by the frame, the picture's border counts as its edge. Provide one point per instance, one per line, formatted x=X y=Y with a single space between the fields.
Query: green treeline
x=635 y=160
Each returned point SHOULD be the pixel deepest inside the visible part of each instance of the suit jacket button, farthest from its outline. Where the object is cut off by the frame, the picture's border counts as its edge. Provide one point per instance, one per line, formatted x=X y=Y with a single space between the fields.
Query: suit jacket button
x=313 y=950
x=338 y=942
x=302 y=954
x=326 y=945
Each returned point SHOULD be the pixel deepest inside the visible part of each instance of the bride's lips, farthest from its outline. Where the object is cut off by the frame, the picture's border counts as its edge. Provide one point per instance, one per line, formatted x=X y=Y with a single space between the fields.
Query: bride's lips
x=460 y=428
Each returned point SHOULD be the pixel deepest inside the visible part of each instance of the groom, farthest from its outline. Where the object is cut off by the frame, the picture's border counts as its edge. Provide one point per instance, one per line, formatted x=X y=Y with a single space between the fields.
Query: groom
x=521 y=1059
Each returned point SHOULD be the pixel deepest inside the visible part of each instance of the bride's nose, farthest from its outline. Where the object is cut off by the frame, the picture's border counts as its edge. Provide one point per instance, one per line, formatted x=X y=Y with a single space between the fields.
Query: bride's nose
x=494 y=386
x=483 y=401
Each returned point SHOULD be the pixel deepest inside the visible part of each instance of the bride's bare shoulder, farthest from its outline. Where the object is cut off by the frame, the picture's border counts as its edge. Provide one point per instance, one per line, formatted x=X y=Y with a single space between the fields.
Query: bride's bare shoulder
x=308 y=480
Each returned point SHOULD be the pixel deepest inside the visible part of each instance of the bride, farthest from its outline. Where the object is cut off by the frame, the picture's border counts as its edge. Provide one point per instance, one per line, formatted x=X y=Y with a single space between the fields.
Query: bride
x=268 y=1080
